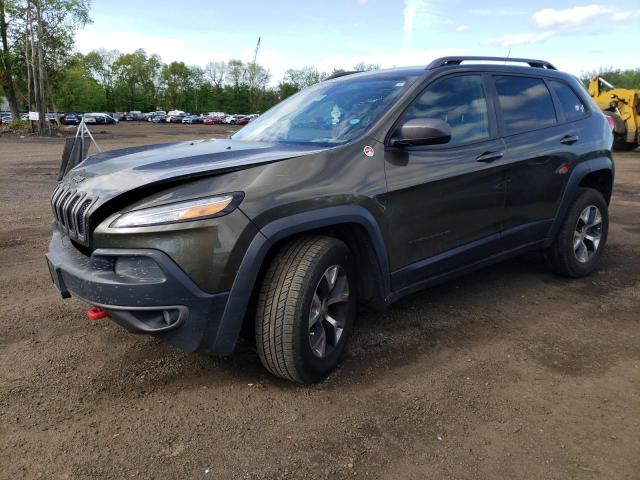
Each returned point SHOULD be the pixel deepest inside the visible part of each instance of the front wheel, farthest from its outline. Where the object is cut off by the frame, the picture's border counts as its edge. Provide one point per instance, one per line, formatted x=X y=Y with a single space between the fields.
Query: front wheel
x=306 y=308
x=582 y=236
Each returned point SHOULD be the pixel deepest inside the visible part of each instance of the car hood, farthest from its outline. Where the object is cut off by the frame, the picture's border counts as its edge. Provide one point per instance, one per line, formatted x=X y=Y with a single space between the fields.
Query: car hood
x=109 y=174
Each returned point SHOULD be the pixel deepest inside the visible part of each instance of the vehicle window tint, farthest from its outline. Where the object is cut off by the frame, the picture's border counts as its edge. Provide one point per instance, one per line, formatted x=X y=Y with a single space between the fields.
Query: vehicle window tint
x=525 y=102
x=571 y=105
x=460 y=101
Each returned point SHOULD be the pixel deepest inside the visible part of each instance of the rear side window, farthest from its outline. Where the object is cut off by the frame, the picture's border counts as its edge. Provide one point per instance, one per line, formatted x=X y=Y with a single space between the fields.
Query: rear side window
x=525 y=102
x=571 y=105
x=460 y=101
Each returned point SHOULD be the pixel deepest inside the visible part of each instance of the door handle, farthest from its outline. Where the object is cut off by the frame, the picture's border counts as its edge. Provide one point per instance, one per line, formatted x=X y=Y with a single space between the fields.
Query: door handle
x=488 y=157
x=569 y=139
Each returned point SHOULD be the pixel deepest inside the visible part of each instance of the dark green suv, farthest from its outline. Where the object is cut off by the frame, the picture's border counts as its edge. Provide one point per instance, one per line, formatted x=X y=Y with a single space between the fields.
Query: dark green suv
x=354 y=192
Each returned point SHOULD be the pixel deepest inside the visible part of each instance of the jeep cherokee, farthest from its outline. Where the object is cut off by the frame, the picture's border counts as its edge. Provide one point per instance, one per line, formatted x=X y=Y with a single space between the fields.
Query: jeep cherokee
x=354 y=192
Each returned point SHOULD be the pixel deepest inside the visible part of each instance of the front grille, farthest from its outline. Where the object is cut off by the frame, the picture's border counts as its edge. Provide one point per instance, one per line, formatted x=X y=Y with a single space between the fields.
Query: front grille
x=70 y=208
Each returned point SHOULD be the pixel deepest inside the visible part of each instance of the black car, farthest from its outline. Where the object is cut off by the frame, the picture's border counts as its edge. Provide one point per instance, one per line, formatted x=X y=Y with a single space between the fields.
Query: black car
x=70 y=119
x=352 y=193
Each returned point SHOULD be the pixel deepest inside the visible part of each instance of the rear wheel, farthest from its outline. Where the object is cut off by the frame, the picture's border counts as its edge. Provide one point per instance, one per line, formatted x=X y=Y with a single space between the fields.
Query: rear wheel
x=619 y=143
x=582 y=237
x=305 y=310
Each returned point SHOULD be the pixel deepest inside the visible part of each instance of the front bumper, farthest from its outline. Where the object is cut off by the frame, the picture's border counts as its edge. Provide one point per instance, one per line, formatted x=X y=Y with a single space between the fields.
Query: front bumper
x=162 y=301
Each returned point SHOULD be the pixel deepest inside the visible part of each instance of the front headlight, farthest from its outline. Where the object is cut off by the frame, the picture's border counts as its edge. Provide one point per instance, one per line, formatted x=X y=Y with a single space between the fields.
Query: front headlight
x=186 y=211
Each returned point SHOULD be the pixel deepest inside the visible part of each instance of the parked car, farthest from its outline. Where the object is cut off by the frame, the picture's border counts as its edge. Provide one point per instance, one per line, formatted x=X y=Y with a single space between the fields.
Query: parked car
x=158 y=118
x=70 y=119
x=175 y=118
x=134 y=116
x=356 y=192
x=159 y=113
x=212 y=120
x=191 y=119
x=6 y=118
x=242 y=120
x=99 y=118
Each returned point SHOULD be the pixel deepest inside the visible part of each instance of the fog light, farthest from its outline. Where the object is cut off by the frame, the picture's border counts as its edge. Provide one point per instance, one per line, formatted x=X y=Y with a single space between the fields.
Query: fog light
x=141 y=269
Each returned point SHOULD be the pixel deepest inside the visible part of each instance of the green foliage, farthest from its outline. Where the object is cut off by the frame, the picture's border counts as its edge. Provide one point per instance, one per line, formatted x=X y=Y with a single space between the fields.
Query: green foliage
x=78 y=92
x=137 y=79
x=619 y=78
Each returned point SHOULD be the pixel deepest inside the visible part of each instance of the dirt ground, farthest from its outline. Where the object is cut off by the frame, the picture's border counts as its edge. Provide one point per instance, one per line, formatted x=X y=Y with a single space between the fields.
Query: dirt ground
x=507 y=373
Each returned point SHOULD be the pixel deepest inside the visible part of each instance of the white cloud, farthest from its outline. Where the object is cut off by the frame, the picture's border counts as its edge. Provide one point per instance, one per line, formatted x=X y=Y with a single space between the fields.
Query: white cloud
x=511 y=40
x=626 y=16
x=569 y=17
x=363 y=2
x=462 y=28
x=412 y=9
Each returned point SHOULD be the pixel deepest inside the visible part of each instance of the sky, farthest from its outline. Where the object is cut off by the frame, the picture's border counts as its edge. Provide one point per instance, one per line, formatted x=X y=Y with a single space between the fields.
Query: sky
x=328 y=34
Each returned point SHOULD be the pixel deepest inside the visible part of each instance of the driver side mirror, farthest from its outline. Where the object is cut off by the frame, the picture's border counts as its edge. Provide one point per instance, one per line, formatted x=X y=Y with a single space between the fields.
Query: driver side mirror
x=421 y=131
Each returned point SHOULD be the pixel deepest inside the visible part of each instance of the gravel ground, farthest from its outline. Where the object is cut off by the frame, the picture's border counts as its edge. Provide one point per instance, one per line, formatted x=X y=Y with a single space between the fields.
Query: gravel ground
x=507 y=373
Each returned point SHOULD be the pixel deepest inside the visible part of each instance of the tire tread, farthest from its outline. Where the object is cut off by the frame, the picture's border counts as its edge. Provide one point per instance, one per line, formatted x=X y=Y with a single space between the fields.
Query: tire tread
x=276 y=314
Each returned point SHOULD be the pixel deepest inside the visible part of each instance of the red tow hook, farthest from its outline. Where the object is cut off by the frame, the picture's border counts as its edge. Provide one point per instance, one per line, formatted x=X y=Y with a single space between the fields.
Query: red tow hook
x=96 y=313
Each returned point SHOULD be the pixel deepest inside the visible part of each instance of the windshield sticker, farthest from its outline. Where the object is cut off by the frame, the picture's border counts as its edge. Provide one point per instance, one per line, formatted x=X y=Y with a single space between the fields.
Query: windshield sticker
x=368 y=151
x=354 y=121
x=335 y=115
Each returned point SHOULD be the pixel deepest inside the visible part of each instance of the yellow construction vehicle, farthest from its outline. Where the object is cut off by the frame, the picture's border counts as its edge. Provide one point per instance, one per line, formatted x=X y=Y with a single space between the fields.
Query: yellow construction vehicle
x=623 y=106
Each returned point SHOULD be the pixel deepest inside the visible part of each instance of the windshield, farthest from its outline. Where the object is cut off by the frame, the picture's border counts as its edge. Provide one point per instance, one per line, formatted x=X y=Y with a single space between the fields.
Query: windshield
x=328 y=113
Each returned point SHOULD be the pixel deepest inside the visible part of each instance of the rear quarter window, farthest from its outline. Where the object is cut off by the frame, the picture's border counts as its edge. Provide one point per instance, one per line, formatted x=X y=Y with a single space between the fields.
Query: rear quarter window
x=525 y=103
x=570 y=104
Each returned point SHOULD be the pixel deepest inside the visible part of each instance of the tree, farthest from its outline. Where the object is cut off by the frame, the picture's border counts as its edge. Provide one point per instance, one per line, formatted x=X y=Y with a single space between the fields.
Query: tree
x=366 y=67
x=296 y=79
x=215 y=73
x=176 y=78
x=100 y=64
x=235 y=75
x=79 y=92
x=137 y=80
x=40 y=38
x=6 y=65
x=304 y=77
x=620 y=78
x=257 y=78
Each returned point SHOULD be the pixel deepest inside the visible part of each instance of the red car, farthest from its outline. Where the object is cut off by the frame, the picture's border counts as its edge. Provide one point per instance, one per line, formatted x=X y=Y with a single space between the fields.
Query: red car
x=242 y=120
x=212 y=121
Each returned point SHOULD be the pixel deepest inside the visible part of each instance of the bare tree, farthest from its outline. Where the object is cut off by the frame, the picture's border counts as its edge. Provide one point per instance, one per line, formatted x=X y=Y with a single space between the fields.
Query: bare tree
x=215 y=72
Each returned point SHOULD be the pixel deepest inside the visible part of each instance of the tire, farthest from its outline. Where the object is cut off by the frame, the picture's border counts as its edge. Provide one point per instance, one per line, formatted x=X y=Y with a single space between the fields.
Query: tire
x=563 y=257
x=289 y=300
x=619 y=143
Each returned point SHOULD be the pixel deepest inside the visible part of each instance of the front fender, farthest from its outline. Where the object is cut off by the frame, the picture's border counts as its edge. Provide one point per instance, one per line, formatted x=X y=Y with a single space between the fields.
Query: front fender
x=230 y=326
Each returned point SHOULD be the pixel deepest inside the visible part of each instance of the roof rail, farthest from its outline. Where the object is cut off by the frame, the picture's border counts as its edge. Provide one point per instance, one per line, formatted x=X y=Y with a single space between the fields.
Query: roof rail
x=342 y=74
x=445 y=61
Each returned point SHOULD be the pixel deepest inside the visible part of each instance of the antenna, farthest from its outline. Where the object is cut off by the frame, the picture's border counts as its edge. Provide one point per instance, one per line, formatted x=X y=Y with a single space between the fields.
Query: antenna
x=508 y=55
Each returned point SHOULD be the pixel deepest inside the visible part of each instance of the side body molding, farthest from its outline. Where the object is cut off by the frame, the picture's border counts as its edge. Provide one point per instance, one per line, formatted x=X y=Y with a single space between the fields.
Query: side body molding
x=230 y=326
x=578 y=173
